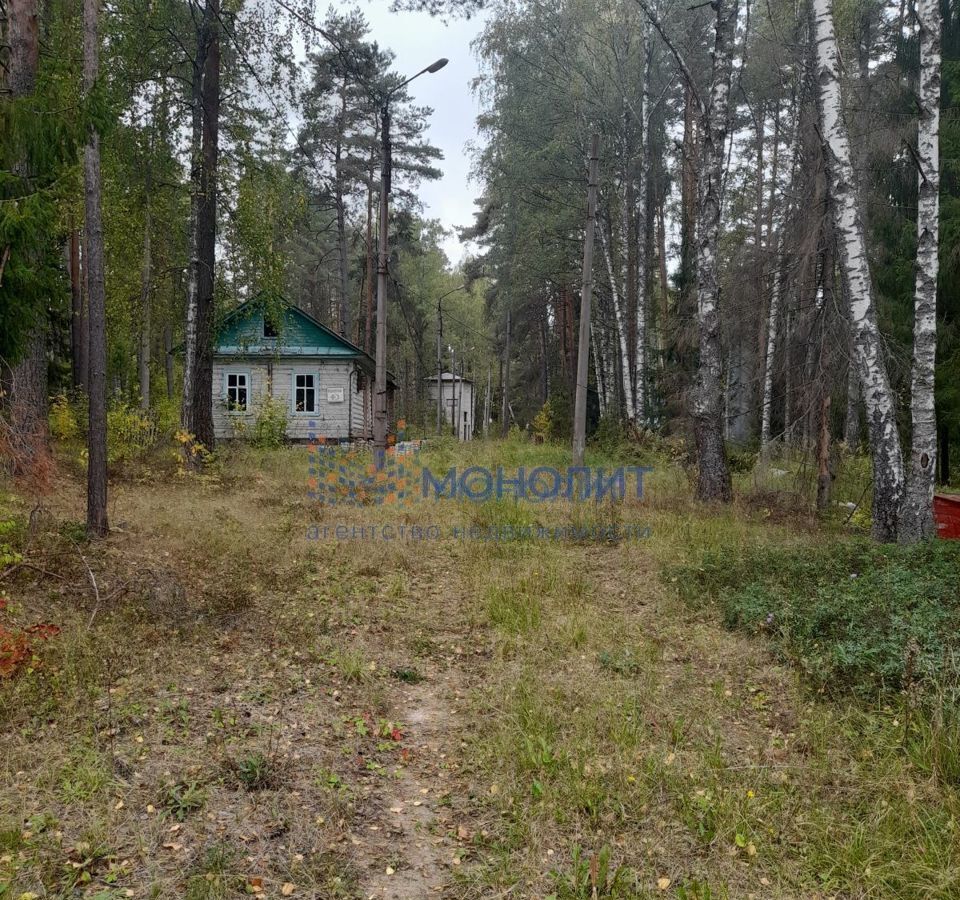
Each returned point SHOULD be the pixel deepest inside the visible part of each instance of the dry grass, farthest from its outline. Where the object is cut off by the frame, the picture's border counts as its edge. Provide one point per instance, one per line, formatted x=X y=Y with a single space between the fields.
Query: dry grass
x=227 y=721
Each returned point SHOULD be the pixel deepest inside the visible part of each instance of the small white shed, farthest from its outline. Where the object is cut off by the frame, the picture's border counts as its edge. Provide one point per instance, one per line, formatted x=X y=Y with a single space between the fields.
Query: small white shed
x=456 y=401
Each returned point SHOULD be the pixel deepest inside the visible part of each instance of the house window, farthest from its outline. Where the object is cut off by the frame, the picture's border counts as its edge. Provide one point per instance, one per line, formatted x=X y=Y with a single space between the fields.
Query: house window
x=237 y=386
x=269 y=328
x=304 y=393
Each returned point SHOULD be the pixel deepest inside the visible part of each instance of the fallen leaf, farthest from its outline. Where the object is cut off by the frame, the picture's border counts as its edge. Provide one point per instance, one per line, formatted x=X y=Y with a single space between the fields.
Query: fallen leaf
x=287 y=889
x=663 y=883
x=389 y=870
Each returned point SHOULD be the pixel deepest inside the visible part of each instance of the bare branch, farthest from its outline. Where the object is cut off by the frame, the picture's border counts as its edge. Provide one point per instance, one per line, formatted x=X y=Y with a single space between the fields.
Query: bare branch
x=681 y=63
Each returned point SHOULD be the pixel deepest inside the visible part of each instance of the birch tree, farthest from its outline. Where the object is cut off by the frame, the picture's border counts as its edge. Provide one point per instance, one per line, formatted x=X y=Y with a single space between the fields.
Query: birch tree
x=885 y=447
x=713 y=476
x=917 y=516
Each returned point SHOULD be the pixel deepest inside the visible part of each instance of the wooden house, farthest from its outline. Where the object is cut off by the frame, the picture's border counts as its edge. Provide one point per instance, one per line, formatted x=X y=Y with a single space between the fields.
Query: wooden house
x=322 y=383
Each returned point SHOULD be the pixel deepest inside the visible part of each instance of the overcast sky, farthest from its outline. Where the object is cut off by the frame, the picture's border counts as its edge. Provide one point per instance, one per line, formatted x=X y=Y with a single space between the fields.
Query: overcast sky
x=418 y=39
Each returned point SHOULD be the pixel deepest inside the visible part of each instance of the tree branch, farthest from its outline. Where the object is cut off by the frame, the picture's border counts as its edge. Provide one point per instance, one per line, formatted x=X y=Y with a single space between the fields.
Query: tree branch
x=681 y=63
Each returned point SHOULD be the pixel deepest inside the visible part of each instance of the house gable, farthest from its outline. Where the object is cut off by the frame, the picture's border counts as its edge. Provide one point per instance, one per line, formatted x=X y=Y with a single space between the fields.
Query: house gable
x=297 y=334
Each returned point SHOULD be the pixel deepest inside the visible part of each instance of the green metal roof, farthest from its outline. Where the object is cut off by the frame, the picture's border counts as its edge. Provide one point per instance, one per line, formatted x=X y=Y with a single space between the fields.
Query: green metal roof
x=298 y=334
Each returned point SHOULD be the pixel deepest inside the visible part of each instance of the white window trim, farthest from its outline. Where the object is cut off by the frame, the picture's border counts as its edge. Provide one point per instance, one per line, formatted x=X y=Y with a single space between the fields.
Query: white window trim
x=316 y=392
x=226 y=393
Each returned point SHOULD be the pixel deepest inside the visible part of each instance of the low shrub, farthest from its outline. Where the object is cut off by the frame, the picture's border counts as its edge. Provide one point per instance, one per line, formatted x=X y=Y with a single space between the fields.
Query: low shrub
x=64 y=419
x=131 y=433
x=270 y=428
x=855 y=616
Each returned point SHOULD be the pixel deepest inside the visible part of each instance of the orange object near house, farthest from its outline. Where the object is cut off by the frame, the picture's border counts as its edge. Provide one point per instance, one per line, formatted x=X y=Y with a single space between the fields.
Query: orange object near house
x=946 y=514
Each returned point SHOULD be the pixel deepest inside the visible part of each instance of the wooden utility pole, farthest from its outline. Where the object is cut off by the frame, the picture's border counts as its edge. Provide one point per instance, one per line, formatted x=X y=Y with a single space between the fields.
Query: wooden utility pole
x=583 y=344
x=505 y=409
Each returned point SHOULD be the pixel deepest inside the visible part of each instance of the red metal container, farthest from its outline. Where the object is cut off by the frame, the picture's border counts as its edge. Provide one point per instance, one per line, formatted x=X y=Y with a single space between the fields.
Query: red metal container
x=946 y=513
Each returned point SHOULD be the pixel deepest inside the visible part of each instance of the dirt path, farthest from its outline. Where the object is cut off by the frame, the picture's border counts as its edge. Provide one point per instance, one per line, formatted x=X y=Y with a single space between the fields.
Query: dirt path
x=411 y=841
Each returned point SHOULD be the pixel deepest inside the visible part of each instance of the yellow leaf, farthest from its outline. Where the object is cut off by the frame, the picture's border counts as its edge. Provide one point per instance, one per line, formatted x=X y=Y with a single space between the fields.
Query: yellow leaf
x=663 y=883
x=287 y=889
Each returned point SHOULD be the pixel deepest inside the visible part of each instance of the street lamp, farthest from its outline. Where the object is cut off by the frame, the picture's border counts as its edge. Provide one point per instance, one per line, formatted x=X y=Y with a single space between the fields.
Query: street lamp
x=380 y=388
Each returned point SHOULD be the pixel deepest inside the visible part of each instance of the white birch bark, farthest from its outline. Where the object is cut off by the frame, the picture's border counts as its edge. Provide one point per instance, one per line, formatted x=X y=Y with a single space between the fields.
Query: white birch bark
x=878 y=397
x=773 y=328
x=598 y=372
x=713 y=478
x=640 y=350
x=621 y=320
x=917 y=516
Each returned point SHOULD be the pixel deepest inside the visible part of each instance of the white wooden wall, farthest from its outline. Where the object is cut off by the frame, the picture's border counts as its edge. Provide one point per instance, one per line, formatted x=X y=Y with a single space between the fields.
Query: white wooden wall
x=335 y=420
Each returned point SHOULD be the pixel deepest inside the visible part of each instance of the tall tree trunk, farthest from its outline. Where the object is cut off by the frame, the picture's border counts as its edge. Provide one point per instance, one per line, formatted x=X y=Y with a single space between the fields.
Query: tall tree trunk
x=368 y=317
x=346 y=325
x=917 y=515
x=27 y=380
x=168 y=359
x=207 y=227
x=187 y=412
x=643 y=243
x=621 y=321
x=664 y=310
x=824 y=469
x=851 y=428
x=96 y=301
x=881 y=412
x=79 y=377
x=773 y=325
x=713 y=477
x=688 y=207
x=23 y=38
x=146 y=295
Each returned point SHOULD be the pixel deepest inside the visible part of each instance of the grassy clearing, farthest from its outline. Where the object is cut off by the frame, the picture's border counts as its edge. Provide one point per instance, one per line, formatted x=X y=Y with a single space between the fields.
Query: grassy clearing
x=225 y=719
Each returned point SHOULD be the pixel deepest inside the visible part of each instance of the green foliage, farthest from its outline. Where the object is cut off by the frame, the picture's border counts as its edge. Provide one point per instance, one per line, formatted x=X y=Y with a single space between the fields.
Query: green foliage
x=64 y=422
x=270 y=428
x=591 y=876
x=554 y=422
x=182 y=798
x=11 y=540
x=256 y=772
x=38 y=148
x=130 y=433
x=610 y=436
x=853 y=616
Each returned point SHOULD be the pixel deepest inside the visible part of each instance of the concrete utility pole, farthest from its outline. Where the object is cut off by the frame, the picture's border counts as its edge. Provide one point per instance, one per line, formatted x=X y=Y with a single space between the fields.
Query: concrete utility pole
x=505 y=409
x=461 y=419
x=380 y=387
x=486 y=406
x=583 y=345
x=439 y=374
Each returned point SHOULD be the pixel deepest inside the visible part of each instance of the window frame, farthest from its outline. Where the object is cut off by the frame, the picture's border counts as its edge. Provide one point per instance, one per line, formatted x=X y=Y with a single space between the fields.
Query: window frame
x=315 y=375
x=248 y=386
